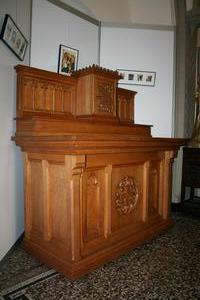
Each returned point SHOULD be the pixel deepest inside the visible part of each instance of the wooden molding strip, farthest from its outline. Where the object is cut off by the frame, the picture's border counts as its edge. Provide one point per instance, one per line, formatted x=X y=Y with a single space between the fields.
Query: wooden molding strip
x=139 y=26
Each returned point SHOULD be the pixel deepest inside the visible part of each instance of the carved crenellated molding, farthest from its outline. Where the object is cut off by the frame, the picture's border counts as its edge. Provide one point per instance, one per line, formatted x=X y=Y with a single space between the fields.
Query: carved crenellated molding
x=96 y=69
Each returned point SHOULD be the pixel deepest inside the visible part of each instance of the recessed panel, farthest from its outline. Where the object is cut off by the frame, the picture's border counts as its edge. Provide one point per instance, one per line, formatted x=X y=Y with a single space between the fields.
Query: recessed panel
x=154 y=189
x=93 y=210
x=59 y=197
x=36 y=200
x=127 y=196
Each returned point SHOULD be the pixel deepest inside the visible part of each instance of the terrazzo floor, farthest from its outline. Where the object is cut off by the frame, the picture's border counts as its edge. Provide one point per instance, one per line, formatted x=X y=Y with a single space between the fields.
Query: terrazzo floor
x=168 y=267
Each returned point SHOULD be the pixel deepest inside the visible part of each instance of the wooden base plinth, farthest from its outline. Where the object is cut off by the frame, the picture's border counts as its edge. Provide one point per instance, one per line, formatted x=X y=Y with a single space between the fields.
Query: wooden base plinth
x=74 y=270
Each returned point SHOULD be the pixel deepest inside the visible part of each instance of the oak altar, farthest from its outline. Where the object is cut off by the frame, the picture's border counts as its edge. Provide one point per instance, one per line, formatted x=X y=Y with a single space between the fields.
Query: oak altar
x=96 y=184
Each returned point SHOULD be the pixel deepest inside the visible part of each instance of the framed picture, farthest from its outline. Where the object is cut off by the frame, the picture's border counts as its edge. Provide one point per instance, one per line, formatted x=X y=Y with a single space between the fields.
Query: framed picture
x=137 y=77
x=13 y=37
x=68 y=60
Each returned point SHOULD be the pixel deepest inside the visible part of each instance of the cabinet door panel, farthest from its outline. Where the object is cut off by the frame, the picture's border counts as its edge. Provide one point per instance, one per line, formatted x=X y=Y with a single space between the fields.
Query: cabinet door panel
x=93 y=210
x=128 y=201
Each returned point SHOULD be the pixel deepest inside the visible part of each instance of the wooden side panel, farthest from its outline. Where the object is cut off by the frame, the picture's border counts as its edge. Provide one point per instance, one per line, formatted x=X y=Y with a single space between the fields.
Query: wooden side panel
x=125 y=105
x=48 y=198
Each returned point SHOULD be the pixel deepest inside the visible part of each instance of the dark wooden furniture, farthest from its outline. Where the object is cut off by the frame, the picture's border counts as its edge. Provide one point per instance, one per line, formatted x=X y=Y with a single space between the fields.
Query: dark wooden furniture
x=190 y=172
x=96 y=184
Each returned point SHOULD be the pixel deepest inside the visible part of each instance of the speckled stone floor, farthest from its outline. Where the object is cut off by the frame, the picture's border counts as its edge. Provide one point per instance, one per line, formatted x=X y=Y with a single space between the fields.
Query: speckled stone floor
x=168 y=267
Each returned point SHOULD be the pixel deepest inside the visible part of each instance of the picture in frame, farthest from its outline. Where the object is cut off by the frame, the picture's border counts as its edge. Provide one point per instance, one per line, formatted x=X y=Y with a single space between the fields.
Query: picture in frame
x=68 y=60
x=137 y=77
x=12 y=36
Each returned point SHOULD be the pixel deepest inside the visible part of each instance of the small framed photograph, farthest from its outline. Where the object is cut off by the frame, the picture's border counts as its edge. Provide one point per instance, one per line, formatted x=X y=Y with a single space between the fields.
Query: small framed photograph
x=13 y=37
x=146 y=78
x=68 y=60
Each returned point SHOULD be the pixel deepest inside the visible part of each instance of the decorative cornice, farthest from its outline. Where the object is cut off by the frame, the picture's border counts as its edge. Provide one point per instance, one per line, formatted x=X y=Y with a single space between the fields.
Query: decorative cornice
x=96 y=69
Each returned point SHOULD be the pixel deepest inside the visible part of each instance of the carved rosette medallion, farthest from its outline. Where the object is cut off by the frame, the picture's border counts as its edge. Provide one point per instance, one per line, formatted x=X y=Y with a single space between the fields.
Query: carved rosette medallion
x=126 y=195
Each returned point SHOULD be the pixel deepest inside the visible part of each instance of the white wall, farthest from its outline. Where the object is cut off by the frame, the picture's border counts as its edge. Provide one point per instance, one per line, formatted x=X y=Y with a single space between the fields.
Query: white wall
x=52 y=26
x=145 y=50
x=11 y=187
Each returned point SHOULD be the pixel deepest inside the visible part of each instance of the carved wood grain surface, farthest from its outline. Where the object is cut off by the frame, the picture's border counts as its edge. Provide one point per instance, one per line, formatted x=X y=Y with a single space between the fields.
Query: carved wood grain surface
x=95 y=183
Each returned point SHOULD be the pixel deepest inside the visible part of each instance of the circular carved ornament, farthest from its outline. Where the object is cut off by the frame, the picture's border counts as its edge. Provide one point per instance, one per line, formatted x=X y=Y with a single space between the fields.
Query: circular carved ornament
x=126 y=196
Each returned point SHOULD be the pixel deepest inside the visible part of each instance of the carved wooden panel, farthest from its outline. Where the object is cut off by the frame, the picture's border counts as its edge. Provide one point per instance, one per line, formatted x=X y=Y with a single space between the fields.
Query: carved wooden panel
x=105 y=97
x=43 y=96
x=93 y=210
x=125 y=104
x=98 y=96
x=27 y=92
x=39 y=95
x=127 y=197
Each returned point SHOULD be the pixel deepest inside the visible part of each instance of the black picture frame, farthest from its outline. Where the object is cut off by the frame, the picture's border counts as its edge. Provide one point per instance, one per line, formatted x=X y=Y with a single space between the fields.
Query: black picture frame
x=14 y=39
x=145 y=78
x=67 y=60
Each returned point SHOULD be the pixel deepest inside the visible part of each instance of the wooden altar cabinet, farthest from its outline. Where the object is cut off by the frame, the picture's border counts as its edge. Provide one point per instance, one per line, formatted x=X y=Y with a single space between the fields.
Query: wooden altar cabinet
x=96 y=184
